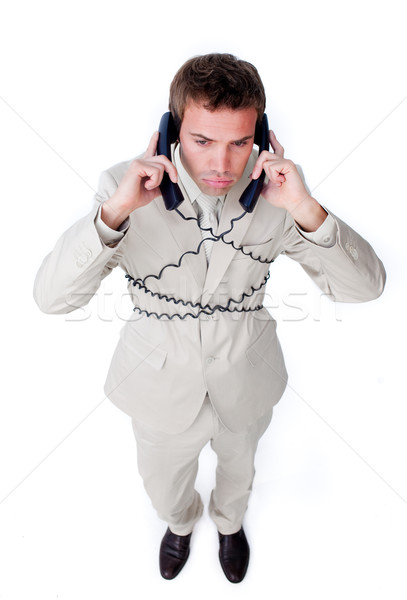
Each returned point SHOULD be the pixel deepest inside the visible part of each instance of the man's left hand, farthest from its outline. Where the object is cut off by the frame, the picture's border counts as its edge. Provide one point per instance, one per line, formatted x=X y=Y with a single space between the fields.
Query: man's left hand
x=285 y=188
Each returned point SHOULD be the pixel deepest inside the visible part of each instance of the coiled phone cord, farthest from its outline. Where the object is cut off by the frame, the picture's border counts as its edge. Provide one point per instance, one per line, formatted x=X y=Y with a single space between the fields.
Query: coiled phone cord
x=206 y=309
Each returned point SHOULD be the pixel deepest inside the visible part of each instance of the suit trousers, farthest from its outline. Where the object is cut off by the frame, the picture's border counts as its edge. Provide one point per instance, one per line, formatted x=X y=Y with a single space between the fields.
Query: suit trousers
x=168 y=465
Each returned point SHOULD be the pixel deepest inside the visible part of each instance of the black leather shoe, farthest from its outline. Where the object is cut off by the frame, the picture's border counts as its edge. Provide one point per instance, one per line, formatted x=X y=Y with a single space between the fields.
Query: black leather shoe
x=174 y=552
x=234 y=555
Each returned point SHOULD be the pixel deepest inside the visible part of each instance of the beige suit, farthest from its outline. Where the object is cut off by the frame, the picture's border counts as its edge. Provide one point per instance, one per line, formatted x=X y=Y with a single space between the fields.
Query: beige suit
x=163 y=368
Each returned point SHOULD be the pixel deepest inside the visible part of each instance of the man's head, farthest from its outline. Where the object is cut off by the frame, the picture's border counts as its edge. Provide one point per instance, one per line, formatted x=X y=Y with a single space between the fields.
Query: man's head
x=216 y=100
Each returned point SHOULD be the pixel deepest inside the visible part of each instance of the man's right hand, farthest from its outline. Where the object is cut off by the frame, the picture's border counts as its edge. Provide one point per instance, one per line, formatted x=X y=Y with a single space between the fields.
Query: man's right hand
x=139 y=186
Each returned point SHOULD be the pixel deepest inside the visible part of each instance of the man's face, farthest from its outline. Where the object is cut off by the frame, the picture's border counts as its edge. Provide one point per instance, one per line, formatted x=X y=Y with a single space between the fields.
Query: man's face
x=215 y=146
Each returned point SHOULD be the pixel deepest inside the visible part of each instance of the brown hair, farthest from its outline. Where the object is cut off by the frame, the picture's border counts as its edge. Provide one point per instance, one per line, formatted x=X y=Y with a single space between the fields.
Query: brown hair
x=216 y=81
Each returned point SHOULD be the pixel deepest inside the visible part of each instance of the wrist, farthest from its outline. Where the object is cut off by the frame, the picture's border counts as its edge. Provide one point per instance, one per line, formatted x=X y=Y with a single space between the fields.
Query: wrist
x=112 y=215
x=308 y=213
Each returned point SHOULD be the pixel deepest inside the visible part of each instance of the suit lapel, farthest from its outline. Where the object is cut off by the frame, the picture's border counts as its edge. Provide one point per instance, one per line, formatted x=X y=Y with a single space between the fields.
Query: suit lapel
x=222 y=253
x=186 y=236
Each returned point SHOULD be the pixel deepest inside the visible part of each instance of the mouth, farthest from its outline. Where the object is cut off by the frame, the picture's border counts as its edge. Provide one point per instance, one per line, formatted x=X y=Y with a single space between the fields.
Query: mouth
x=218 y=183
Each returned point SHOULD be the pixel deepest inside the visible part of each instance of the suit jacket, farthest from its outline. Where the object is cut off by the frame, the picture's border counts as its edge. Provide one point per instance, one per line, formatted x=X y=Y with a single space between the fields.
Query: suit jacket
x=163 y=367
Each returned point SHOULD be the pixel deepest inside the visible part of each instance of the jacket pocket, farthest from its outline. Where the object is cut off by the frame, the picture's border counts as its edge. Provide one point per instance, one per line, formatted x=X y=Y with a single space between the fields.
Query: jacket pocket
x=152 y=354
x=256 y=251
x=256 y=352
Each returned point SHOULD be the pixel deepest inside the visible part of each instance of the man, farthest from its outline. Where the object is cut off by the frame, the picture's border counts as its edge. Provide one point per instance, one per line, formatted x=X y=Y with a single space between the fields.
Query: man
x=200 y=361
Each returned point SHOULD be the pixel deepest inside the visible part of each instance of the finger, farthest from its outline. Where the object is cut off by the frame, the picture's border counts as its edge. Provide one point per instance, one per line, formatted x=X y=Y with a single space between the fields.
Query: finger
x=153 y=176
x=263 y=158
x=276 y=170
x=153 y=171
x=152 y=146
x=275 y=176
x=275 y=144
x=168 y=166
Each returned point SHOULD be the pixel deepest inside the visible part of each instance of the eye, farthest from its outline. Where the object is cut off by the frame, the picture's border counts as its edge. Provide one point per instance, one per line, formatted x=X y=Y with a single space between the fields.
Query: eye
x=240 y=144
x=201 y=142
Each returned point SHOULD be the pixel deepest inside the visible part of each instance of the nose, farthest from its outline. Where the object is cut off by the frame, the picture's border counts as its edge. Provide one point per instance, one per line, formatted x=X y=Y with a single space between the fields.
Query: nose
x=221 y=160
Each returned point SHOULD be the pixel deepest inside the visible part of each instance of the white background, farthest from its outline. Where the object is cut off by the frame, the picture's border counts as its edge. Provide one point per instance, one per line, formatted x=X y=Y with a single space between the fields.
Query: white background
x=83 y=86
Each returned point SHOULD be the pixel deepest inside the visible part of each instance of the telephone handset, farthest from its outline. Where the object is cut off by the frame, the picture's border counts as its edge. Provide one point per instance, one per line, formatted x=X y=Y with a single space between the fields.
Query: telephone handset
x=171 y=192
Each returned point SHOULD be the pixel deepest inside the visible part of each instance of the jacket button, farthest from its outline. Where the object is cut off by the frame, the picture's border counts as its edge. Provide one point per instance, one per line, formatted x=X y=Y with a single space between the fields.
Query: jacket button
x=83 y=258
x=209 y=360
x=81 y=261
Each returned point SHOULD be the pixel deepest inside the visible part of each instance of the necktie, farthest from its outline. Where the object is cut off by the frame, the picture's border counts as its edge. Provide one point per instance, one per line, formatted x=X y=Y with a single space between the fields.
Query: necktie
x=207 y=218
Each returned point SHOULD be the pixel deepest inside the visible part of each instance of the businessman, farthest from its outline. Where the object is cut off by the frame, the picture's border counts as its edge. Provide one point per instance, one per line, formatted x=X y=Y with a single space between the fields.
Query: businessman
x=199 y=361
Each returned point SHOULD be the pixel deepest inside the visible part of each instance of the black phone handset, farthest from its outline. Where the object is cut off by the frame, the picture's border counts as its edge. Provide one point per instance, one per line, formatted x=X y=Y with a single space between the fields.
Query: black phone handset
x=171 y=192
x=251 y=194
